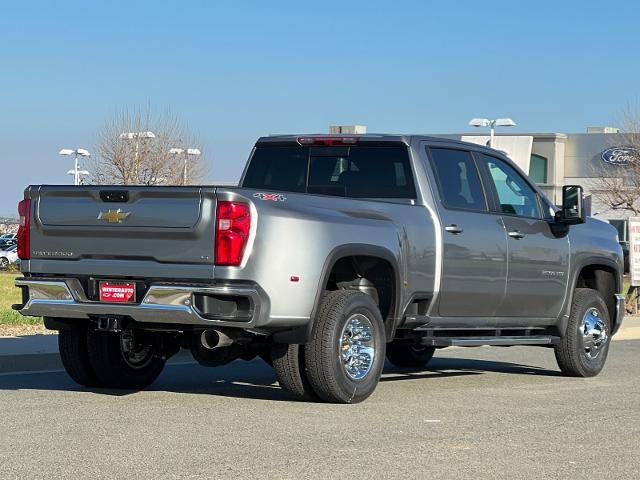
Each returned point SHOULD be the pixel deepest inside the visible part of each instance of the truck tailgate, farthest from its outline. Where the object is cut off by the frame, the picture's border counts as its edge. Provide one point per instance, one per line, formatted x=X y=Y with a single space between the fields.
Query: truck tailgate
x=161 y=225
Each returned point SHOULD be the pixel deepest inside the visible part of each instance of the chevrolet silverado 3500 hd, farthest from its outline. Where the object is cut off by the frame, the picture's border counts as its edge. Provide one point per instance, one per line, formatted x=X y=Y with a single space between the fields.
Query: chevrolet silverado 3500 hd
x=332 y=254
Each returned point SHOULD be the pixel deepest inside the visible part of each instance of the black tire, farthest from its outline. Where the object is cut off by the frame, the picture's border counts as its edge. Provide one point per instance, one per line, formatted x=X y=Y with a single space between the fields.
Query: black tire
x=409 y=356
x=289 y=363
x=571 y=354
x=325 y=370
x=113 y=370
x=74 y=353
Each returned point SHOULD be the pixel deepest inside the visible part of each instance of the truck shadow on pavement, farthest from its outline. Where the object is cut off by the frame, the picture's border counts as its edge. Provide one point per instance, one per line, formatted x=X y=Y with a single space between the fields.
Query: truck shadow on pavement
x=453 y=367
x=255 y=379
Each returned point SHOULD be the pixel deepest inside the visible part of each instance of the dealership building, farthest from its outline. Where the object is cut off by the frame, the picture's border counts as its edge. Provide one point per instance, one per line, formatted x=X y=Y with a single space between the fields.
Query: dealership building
x=556 y=159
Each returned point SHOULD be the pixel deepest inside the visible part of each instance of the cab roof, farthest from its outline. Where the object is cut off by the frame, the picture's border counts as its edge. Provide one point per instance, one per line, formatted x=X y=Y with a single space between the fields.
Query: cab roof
x=320 y=139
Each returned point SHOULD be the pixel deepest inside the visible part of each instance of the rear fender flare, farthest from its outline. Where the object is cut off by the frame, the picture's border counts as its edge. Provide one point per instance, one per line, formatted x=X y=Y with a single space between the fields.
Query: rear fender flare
x=303 y=334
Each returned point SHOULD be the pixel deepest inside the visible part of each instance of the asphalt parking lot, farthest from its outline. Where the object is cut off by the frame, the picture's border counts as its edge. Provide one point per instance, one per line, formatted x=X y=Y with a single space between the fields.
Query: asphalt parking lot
x=476 y=413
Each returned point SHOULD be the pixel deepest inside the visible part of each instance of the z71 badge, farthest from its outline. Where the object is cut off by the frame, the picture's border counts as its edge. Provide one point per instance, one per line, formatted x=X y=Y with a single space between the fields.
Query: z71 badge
x=274 y=197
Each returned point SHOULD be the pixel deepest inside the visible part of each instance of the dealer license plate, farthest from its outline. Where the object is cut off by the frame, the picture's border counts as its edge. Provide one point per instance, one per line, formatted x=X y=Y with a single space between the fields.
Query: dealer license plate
x=117 y=292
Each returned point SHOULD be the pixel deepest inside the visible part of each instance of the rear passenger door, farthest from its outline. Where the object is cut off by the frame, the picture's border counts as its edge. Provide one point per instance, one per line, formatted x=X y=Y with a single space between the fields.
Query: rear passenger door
x=538 y=260
x=474 y=268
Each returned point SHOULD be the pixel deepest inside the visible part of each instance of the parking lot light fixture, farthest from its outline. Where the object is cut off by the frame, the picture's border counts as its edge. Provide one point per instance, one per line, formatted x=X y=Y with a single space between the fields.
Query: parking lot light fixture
x=492 y=124
x=187 y=152
x=76 y=172
x=148 y=135
x=134 y=135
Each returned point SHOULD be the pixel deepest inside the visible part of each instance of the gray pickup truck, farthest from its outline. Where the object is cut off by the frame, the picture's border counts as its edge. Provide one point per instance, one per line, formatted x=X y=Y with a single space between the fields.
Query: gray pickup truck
x=332 y=254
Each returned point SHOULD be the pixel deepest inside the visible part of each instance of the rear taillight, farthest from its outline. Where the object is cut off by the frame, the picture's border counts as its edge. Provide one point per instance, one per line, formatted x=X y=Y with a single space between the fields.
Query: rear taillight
x=24 y=230
x=233 y=222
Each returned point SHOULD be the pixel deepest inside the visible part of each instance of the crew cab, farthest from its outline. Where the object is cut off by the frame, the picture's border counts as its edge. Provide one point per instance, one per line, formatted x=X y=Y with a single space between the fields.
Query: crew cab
x=334 y=253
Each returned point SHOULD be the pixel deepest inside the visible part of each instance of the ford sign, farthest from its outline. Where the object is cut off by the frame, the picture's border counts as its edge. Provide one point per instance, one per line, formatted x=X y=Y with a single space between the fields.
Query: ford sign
x=620 y=155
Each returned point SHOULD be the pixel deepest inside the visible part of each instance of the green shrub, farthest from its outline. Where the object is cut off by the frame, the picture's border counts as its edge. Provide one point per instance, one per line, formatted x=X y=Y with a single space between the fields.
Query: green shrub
x=10 y=294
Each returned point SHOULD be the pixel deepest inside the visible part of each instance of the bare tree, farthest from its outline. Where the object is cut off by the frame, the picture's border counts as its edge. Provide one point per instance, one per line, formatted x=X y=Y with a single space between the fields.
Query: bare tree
x=127 y=154
x=617 y=184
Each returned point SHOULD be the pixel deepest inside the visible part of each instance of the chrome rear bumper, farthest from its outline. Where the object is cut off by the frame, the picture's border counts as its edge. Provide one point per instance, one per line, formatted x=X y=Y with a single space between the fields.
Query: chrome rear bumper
x=162 y=303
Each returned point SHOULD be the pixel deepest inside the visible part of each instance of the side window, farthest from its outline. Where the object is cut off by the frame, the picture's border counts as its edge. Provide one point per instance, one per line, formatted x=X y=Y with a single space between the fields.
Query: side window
x=458 y=179
x=515 y=195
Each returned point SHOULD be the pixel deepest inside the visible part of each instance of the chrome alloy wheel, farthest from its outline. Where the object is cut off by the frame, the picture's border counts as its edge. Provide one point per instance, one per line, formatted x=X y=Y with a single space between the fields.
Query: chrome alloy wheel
x=594 y=333
x=136 y=355
x=357 y=349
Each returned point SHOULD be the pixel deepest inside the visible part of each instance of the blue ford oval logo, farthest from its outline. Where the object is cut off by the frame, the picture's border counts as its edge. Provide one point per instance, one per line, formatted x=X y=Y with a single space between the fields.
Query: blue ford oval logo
x=620 y=155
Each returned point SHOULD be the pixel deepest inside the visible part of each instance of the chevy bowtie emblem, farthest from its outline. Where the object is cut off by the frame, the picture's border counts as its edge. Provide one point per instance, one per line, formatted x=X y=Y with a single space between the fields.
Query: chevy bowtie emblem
x=114 y=216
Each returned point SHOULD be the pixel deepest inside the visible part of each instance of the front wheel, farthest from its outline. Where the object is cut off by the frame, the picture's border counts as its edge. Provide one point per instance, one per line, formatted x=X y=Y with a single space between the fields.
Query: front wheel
x=128 y=360
x=583 y=350
x=345 y=356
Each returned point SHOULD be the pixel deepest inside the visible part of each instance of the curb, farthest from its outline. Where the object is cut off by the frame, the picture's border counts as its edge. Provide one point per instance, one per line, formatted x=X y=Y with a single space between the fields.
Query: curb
x=630 y=333
x=32 y=362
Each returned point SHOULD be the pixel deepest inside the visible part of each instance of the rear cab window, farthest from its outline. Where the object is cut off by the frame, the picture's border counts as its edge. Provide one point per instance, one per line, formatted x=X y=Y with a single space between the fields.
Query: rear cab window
x=357 y=171
x=278 y=168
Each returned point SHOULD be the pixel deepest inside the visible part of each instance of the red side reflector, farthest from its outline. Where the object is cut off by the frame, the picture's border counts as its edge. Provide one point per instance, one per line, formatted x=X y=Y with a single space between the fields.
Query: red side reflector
x=328 y=141
x=24 y=230
x=233 y=222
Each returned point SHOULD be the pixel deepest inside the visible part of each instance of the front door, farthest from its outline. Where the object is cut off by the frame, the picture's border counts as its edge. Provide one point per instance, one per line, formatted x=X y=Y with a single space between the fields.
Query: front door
x=474 y=268
x=538 y=260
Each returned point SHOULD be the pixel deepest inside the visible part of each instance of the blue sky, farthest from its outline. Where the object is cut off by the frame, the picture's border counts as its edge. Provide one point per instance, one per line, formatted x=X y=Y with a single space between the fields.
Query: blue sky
x=237 y=70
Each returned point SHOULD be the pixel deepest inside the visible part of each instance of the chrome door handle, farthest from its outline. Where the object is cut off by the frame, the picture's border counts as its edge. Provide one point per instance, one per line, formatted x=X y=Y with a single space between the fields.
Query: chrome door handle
x=455 y=229
x=516 y=234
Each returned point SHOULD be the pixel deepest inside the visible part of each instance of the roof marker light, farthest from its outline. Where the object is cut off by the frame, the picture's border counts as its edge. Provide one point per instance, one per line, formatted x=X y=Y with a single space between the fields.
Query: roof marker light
x=328 y=141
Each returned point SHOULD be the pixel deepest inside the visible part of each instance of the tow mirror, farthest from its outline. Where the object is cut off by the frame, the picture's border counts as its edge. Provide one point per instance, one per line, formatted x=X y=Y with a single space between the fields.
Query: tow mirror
x=573 y=211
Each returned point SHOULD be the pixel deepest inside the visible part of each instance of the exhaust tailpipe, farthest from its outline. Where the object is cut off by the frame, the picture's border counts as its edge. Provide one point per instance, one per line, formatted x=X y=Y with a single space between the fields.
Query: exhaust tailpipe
x=211 y=339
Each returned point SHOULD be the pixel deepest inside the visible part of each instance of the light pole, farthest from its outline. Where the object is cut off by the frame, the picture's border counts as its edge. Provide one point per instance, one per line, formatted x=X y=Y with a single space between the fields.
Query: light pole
x=492 y=124
x=136 y=136
x=194 y=152
x=76 y=172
